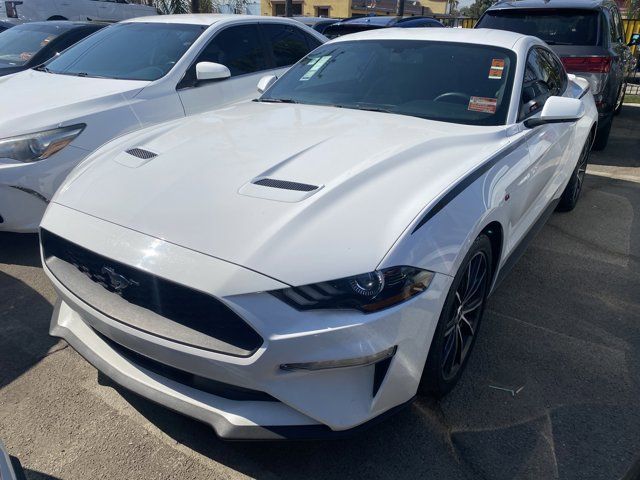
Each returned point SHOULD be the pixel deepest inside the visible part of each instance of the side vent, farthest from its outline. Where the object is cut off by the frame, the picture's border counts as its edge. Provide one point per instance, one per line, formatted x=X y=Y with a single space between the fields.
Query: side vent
x=285 y=185
x=141 y=153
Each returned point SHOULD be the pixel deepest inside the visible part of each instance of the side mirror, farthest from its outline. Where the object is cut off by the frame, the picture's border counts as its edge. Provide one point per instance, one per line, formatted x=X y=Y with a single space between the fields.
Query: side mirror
x=265 y=82
x=635 y=40
x=558 y=110
x=211 y=71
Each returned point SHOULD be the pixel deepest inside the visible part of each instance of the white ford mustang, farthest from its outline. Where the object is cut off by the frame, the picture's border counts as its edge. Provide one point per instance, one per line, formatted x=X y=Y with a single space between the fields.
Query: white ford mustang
x=302 y=264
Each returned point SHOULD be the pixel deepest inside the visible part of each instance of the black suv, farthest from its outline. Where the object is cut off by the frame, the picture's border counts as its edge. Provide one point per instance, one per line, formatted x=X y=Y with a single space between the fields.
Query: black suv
x=586 y=34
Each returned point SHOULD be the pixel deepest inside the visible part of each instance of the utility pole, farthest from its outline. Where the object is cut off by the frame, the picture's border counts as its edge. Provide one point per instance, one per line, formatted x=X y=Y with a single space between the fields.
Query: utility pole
x=288 y=8
x=195 y=6
x=400 y=8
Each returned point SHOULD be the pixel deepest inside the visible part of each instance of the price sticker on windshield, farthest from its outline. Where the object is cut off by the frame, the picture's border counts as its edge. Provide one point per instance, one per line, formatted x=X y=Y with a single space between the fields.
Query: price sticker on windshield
x=317 y=65
x=497 y=69
x=483 y=104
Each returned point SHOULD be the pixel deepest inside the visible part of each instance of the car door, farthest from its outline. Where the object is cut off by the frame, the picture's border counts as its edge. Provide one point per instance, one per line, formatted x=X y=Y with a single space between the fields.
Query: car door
x=240 y=49
x=75 y=9
x=548 y=144
x=109 y=10
x=622 y=52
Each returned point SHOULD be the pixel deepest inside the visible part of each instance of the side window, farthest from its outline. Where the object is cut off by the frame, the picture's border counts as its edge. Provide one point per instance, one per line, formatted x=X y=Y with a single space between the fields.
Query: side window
x=288 y=43
x=535 y=86
x=557 y=73
x=238 y=48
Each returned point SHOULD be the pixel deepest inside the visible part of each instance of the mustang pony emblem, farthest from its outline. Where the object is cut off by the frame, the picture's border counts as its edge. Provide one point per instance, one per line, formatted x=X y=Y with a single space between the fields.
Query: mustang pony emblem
x=116 y=281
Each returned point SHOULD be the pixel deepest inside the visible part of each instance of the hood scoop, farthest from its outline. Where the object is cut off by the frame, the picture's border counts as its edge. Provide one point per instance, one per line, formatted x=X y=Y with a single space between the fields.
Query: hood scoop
x=279 y=190
x=142 y=153
x=135 y=157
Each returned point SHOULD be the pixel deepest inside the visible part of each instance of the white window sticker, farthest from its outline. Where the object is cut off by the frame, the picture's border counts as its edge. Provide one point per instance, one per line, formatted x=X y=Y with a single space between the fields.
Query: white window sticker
x=317 y=65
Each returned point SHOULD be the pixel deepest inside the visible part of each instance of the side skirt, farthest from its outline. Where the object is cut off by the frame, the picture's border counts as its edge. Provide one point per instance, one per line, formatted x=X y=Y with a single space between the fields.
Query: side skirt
x=517 y=252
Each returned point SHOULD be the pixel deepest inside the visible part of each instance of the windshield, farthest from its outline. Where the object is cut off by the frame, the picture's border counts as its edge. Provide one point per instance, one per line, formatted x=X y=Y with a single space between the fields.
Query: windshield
x=556 y=27
x=406 y=77
x=18 y=45
x=128 y=51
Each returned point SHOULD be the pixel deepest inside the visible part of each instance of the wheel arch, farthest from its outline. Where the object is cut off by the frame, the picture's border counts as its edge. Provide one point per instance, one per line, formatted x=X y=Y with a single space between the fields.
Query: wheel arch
x=56 y=17
x=495 y=232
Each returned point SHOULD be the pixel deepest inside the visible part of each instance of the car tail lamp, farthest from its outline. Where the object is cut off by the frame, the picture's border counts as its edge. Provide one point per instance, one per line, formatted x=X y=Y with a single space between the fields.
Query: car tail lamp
x=598 y=64
x=12 y=10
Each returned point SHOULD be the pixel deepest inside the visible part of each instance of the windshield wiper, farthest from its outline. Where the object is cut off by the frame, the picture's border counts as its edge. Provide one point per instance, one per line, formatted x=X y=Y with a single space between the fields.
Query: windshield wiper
x=275 y=100
x=366 y=108
x=42 y=68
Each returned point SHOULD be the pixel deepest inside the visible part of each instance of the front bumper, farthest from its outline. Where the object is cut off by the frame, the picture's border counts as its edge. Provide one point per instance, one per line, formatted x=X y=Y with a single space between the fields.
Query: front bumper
x=10 y=468
x=26 y=188
x=303 y=403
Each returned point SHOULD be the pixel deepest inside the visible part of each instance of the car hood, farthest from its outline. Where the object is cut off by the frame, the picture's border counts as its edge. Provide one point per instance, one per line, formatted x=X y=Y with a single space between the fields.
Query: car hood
x=374 y=174
x=37 y=100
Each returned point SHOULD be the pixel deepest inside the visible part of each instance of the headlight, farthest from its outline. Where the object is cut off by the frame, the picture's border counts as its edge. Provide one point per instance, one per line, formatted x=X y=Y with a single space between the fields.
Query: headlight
x=368 y=292
x=38 y=146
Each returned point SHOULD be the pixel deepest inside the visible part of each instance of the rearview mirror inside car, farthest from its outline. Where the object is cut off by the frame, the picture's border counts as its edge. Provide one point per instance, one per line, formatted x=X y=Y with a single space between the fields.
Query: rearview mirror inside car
x=635 y=39
x=558 y=110
x=265 y=82
x=211 y=71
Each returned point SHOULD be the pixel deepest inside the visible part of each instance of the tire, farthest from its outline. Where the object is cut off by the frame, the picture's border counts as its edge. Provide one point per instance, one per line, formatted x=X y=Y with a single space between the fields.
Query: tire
x=618 y=109
x=602 y=137
x=444 y=367
x=571 y=194
x=56 y=17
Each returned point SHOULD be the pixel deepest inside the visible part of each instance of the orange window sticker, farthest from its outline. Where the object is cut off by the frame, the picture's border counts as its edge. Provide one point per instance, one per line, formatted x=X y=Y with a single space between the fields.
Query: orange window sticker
x=497 y=68
x=483 y=104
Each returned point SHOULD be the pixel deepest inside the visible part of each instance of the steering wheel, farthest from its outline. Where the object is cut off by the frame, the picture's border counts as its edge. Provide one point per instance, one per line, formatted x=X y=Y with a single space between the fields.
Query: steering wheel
x=459 y=97
x=153 y=68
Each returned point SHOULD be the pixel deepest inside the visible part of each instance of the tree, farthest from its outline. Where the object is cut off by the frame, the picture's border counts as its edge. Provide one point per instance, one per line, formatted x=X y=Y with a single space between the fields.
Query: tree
x=476 y=9
x=633 y=8
x=173 y=6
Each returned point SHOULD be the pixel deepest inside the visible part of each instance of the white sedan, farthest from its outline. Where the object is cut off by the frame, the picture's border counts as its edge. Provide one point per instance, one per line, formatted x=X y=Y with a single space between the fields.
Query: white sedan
x=302 y=264
x=123 y=78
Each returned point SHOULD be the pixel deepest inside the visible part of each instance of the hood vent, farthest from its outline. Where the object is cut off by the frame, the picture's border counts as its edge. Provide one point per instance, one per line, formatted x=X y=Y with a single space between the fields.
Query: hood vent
x=141 y=153
x=285 y=185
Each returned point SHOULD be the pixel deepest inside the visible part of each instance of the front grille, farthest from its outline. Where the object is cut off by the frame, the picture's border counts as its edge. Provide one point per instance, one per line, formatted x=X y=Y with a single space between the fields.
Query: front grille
x=285 y=185
x=219 y=389
x=189 y=312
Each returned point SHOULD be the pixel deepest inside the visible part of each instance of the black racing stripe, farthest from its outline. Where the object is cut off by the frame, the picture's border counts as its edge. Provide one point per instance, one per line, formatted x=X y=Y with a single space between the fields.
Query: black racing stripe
x=463 y=184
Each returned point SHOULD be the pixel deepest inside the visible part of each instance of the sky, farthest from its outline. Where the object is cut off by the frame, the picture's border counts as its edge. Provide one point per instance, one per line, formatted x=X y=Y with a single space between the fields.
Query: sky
x=465 y=3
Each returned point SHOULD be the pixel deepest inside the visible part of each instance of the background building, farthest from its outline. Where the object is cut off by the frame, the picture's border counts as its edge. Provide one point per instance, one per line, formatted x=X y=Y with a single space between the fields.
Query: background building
x=354 y=8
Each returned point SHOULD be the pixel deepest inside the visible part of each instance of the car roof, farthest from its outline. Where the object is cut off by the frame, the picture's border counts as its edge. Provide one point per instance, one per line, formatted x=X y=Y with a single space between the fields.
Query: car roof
x=68 y=24
x=315 y=20
x=384 y=20
x=481 y=36
x=204 y=19
x=533 y=4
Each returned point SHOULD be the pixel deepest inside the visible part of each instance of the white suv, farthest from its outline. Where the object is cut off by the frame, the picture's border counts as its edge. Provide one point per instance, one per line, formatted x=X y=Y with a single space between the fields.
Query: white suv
x=125 y=77
x=105 y=10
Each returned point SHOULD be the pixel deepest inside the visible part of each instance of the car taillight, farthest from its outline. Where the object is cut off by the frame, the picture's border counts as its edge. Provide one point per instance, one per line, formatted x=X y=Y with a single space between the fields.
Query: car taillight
x=587 y=64
x=12 y=11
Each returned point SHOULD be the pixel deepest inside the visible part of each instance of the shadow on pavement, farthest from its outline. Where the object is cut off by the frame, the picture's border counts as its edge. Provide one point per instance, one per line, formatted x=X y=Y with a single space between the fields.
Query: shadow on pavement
x=24 y=327
x=19 y=249
x=622 y=150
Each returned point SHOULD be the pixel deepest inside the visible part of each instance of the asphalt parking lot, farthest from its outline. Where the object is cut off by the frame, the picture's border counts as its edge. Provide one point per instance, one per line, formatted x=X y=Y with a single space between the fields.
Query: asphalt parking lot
x=551 y=391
